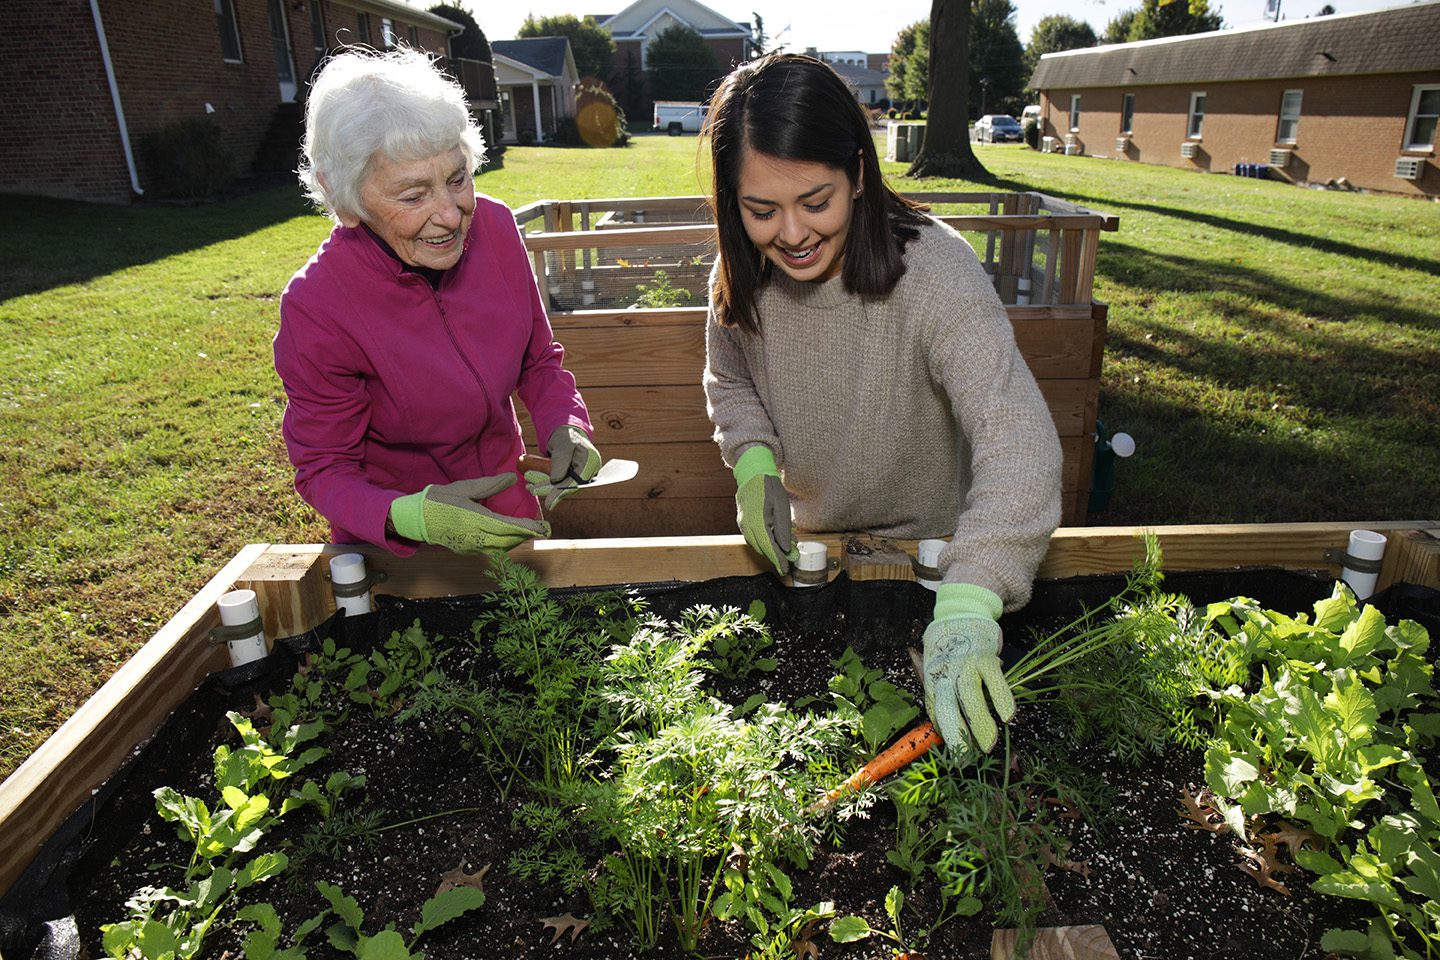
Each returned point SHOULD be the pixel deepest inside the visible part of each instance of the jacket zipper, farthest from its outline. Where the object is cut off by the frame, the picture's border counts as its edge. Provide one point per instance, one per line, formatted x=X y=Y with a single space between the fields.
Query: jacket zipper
x=455 y=342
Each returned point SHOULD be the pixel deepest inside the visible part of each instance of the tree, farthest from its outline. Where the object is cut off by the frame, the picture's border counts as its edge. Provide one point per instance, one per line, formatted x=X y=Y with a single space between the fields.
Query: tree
x=758 y=39
x=997 y=60
x=1172 y=18
x=1118 y=29
x=1054 y=34
x=681 y=65
x=470 y=45
x=910 y=63
x=590 y=44
x=946 y=151
x=1327 y=10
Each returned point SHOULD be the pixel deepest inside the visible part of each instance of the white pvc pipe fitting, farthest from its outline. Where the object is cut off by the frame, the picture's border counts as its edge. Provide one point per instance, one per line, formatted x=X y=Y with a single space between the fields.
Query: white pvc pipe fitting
x=237 y=608
x=345 y=569
x=1364 y=545
x=927 y=553
x=811 y=564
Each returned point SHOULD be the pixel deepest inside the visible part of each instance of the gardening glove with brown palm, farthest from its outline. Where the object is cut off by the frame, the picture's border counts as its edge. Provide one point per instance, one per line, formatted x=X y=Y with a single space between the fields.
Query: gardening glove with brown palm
x=762 y=508
x=573 y=461
x=451 y=515
x=962 y=664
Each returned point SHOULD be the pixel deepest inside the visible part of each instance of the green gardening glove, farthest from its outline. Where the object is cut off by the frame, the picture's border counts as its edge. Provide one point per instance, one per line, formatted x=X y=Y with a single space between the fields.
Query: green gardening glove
x=962 y=656
x=762 y=508
x=573 y=461
x=451 y=515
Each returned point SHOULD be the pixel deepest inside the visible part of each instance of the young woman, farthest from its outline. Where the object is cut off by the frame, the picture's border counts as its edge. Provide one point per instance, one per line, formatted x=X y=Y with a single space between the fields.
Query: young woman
x=862 y=373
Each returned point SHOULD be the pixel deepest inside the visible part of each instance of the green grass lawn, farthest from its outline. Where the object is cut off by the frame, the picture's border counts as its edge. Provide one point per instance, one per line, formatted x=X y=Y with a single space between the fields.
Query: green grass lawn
x=1274 y=351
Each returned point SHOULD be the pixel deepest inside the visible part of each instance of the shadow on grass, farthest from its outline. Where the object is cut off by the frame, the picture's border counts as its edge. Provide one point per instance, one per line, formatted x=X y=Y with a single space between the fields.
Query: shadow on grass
x=1193 y=467
x=1312 y=364
x=1276 y=234
x=47 y=243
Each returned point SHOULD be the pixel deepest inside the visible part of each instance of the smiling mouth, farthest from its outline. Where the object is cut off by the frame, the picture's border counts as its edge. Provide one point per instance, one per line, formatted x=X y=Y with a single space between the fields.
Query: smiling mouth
x=802 y=258
x=439 y=241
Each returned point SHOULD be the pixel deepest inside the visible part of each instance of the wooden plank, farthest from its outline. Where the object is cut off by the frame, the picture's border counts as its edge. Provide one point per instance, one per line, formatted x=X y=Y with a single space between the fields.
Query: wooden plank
x=1084 y=550
x=59 y=776
x=1073 y=405
x=630 y=317
x=664 y=517
x=1412 y=556
x=664 y=355
x=641 y=236
x=1101 y=314
x=1088 y=942
x=657 y=414
x=1057 y=349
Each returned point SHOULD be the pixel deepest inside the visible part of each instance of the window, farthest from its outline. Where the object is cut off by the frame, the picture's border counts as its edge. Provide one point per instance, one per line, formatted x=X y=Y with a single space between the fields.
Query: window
x=317 y=24
x=387 y=33
x=1127 y=113
x=229 y=31
x=1197 y=116
x=1289 y=124
x=415 y=38
x=1074 y=113
x=1424 y=114
x=362 y=27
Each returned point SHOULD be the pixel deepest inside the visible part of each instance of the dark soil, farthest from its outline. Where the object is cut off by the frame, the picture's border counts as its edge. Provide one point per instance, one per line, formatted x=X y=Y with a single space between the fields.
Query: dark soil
x=1159 y=887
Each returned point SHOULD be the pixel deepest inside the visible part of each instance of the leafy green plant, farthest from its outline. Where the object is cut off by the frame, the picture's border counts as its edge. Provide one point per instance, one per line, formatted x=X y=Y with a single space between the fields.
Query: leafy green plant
x=881 y=708
x=852 y=928
x=406 y=660
x=738 y=642
x=346 y=933
x=660 y=292
x=173 y=921
x=1333 y=733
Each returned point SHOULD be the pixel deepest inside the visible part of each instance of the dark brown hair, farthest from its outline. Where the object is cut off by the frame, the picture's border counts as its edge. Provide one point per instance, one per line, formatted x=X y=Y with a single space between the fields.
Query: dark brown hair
x=797 y=108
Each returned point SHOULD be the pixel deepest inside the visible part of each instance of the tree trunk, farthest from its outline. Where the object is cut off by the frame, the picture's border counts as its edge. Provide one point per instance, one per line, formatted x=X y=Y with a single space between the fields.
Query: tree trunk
x=946 y=151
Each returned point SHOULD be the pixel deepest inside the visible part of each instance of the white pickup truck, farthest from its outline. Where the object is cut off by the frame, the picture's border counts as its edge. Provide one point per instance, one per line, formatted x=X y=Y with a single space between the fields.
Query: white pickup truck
x=678 y=116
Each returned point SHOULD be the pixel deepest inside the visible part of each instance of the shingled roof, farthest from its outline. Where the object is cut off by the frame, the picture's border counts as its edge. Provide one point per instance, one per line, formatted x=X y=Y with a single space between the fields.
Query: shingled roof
x=1397 y=40
x=546 y=54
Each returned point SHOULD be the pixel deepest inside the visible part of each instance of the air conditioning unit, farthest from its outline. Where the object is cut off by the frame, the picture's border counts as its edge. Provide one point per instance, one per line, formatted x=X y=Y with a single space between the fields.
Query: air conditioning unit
x=1122 y=144
x=1279 y=157
x=1408 y=168
x=1187 y=150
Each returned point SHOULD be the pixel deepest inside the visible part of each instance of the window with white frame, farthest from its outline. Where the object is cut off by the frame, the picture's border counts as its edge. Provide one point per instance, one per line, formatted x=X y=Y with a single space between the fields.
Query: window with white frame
x=1424 y=117
x=1289 y=125
x=1075 y=113
x=1127 y=113
x=387 y=33
x=317 y=24
x=362 y=27
x=229 y=31
x=1197 y=116
x=414 y=38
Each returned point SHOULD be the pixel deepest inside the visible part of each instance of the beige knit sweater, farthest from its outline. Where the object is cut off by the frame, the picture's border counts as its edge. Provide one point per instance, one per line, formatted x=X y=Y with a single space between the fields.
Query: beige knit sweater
x=909 y=416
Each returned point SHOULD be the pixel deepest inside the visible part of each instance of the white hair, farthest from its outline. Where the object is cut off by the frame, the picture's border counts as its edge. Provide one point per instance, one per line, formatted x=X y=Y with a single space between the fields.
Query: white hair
x=395 y=105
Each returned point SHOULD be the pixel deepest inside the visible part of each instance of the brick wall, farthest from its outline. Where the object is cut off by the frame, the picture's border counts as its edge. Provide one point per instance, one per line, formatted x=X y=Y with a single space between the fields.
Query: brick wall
x=1350 y=127
x=56 y=117
x=57 y=123
x=636 y=100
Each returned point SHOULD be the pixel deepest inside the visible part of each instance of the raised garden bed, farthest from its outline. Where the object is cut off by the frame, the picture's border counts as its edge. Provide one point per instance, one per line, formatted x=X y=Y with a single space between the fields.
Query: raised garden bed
x=1157 y=887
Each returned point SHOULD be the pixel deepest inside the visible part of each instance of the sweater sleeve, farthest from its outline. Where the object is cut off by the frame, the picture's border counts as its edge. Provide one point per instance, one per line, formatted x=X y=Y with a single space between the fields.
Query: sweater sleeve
x=731 y=397
x=325 y=426
x=546 y=388
x=1013 y=505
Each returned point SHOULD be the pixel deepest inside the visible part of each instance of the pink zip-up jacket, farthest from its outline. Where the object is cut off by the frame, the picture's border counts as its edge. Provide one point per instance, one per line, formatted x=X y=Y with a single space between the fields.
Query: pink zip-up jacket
x=394 y=385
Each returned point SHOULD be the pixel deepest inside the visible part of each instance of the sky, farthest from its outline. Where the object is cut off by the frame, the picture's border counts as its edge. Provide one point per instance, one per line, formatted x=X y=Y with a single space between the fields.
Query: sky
x=870 y=26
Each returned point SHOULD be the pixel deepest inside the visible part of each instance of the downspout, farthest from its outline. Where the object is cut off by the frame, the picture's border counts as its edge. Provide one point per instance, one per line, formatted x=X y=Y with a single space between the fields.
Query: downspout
x=115 y=98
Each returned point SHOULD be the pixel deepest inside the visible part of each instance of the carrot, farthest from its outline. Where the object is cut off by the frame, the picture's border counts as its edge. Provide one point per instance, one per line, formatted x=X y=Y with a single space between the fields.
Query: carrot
x=898 y=755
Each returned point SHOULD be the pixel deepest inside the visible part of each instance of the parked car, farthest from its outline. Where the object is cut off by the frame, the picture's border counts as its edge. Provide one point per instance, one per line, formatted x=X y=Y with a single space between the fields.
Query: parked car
x=676 y=116
x=998 y=128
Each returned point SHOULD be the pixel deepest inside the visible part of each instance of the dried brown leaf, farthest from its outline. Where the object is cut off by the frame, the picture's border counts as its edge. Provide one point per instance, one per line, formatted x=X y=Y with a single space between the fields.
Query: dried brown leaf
x=459 y=878
x=1259 y=869
x=1196 y=808
x=565 y=923
x=1295 y=837
x=261 y=712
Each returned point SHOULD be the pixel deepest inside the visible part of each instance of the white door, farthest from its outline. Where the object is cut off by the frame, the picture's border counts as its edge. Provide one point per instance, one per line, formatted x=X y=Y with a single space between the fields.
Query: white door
x=280 y=41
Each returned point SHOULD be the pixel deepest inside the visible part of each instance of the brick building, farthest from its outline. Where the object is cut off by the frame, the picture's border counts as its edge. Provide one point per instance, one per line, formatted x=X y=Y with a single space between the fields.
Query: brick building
x=1353 y=96
x=83 y=81
x=536 y=76
x=641 y=22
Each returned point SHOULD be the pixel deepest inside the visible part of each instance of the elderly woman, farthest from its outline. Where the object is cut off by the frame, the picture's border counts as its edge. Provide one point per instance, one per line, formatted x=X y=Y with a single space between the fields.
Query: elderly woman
x=405 y=336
